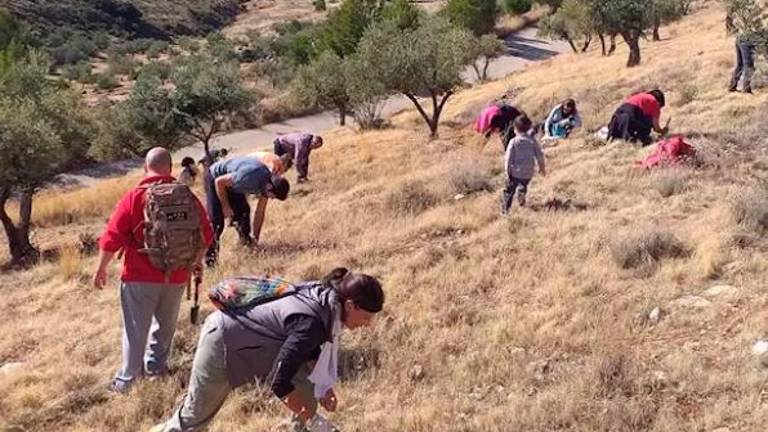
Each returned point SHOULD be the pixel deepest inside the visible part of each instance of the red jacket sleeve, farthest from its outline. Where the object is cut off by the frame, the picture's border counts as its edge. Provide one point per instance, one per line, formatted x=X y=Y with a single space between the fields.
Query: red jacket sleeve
x=205 y=224
x=117 y=234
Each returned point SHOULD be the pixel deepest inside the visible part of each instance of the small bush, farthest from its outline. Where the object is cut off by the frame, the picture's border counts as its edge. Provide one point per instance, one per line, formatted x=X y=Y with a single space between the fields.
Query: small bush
x=750 y=207
x=688 y=93
x=107 y=81
x=668 y=183
x=137 y=46
x=517 y=6
x=413 y=198
x=78 y=49
x=81 y=72
x=156 y=49
x=161 y=70
x=645 y=248
x=123 y=65
x=470 y=178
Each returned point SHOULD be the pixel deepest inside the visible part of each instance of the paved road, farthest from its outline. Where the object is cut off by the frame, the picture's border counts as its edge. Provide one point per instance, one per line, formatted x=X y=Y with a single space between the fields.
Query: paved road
x=522 y=48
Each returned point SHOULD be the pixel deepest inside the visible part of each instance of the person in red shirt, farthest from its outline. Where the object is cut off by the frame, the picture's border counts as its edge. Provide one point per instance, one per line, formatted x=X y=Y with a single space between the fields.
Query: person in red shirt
x=150 y=302
x=637 y=116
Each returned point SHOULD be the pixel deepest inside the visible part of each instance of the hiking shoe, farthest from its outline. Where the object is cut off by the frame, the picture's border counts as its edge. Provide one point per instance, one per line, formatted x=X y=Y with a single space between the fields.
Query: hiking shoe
x=732 y=89
x=120 y=386
x=748 y=91
x=521 y=199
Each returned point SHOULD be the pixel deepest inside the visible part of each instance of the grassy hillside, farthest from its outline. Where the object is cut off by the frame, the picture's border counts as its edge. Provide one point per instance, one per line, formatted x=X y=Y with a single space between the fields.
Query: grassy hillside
x=134 y=18
x=536 y=322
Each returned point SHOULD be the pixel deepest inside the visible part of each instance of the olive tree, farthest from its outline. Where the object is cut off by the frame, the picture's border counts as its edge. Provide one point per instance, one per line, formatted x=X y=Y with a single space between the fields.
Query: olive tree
x=44 y=131
x=423 y=63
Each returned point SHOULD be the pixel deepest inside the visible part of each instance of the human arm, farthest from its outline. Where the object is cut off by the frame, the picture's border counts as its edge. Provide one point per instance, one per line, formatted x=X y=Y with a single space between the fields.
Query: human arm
x=258 y=218
x=116 y=236
x=575 y=121
x=539 y=159
x=222 y=185
x=302 y=158
x=549 y=120
x=100 y=277
x=305 y=335
x=657 y=126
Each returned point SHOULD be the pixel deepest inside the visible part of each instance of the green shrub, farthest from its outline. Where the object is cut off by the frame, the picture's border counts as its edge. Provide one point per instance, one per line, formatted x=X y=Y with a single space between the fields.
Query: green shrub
x=161 y=70
x=107 y=81
x=81 y=72
x=156 y=49
x=123 y=65
x=517 y=6
x=137 y=46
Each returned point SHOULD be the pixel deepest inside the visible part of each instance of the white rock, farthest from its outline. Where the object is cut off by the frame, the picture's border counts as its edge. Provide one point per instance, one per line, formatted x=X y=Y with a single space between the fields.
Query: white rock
x=694 y=302
x=721 y=291
x=760 y=347
x=10 y=368
x=458 y=197
x=655 y=315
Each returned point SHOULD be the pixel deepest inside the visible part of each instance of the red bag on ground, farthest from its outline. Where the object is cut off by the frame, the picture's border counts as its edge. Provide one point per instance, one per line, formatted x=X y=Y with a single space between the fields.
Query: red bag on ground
x=668 y=152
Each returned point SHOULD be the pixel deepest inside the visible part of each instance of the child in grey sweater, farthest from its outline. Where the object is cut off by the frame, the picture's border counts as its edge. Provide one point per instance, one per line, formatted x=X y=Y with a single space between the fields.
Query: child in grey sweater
x=522 y=156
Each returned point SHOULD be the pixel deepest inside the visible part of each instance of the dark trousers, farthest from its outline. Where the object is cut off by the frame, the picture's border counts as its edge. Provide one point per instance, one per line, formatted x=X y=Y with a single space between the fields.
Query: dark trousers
x=513 y=184
x=745 y=65
x=630 y=124
x=241 y=218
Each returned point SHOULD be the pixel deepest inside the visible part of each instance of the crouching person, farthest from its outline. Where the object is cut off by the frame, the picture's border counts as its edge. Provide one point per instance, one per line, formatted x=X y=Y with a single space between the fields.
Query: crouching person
x=290 y=340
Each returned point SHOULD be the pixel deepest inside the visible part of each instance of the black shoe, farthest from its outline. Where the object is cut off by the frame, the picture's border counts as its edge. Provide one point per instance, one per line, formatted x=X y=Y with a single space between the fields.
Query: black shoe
x=748 y=90
x=732 y=89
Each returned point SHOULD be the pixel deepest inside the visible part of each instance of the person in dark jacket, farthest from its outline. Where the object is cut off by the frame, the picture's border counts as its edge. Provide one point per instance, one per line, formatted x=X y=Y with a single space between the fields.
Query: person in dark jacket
x=637 y=117
x=291 y=341
x=298 y=145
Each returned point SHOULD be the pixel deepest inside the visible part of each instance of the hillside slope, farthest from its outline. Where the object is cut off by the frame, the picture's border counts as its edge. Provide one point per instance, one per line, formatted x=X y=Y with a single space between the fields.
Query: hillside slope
x=536 y=322
x=134 y=18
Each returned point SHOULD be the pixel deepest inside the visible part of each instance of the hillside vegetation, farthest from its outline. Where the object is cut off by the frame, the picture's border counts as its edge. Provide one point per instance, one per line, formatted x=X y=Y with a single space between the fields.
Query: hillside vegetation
x=159 y=19
x=536 y=322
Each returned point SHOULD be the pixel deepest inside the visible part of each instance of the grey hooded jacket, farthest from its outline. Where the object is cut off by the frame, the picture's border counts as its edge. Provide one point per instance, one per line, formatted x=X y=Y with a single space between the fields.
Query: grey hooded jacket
x=253 y=339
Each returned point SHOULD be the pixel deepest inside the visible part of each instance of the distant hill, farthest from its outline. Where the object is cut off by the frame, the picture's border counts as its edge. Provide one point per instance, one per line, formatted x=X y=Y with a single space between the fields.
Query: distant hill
x=156 y=19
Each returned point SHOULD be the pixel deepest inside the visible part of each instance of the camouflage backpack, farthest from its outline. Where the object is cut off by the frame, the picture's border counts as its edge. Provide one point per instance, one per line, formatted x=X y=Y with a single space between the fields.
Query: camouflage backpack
x=172 y=234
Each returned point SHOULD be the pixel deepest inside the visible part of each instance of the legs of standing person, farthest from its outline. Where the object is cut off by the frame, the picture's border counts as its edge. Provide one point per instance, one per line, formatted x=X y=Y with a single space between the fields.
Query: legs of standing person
x=138 y=302
x=523 y=183
x=242 y=216
x=739 y=68
x=747 y=51
x=208 y=383
x=216 y=216
x=162 y=330
x=508 y=195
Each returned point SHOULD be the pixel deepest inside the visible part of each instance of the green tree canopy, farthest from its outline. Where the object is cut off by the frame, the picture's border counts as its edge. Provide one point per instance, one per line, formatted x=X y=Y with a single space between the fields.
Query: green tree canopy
x=478 y=16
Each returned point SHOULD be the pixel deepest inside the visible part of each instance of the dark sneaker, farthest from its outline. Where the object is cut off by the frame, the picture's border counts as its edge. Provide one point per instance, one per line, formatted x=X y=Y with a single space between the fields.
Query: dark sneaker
x=521 y=199
x=748 y=90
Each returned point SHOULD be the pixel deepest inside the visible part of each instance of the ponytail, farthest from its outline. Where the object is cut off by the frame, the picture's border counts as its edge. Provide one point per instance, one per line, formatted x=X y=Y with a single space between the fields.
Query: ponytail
x=363 y=290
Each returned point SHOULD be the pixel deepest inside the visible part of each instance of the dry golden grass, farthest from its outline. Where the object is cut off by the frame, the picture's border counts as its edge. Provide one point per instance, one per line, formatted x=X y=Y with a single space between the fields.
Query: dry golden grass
x=523 y=323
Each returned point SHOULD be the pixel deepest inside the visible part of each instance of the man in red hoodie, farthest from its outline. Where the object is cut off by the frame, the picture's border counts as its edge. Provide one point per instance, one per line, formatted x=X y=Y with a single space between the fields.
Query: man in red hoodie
x=150 y=300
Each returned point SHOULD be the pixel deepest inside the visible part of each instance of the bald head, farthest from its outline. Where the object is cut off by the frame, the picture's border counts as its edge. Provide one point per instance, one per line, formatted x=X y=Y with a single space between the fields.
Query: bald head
x=158 y=161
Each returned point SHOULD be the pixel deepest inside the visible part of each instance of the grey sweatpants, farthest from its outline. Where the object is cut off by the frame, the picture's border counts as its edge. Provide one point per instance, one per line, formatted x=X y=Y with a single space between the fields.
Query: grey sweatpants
x=209 y=384
x=150 y=311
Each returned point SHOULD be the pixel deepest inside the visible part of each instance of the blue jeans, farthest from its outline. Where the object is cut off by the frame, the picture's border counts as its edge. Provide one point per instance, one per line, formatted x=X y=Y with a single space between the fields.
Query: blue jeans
x=745 y=65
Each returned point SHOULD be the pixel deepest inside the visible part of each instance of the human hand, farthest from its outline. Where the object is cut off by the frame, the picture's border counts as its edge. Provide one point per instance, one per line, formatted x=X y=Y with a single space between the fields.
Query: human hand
x=319 y=423
x=302 y=180
x=100 y=278
x=543 y=172
x=329 y=401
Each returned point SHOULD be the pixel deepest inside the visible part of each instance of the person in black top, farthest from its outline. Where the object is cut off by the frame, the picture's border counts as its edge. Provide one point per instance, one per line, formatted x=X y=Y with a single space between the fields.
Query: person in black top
x=292 y=341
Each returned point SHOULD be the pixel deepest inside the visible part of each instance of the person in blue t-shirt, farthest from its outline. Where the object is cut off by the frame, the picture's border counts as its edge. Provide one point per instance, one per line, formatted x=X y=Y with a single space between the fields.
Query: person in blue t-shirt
x=227 y=186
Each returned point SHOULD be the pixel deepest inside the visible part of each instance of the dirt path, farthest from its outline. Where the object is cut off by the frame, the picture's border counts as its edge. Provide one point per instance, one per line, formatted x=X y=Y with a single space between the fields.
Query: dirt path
x=523 y=48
